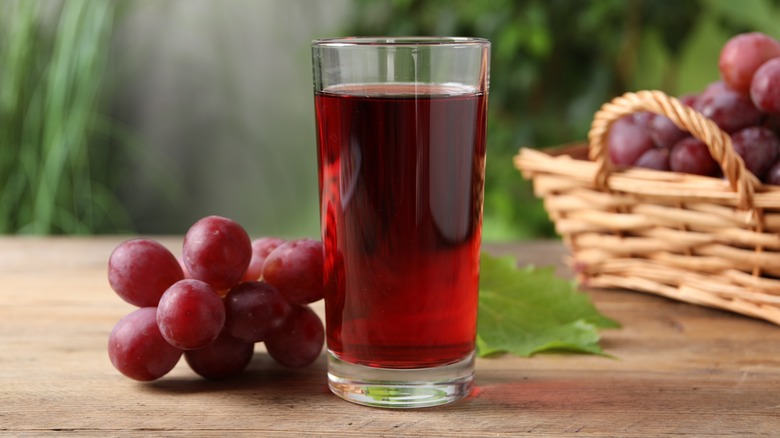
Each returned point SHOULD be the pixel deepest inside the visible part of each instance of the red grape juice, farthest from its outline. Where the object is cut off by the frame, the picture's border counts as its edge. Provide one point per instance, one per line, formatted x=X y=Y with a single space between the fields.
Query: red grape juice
x=401 y=185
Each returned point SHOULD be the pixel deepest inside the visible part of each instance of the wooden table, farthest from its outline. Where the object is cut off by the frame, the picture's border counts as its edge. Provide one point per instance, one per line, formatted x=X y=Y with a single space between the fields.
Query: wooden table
x=677 y=369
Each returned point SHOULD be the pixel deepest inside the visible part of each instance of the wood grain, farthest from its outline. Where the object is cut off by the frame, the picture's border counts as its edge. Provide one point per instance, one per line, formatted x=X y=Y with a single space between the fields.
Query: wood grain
x=677 y=369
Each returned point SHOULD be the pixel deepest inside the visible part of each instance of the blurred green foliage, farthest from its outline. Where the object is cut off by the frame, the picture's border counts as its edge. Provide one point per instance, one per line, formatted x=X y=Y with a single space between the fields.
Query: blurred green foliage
x=554 y=62
x=56 y=170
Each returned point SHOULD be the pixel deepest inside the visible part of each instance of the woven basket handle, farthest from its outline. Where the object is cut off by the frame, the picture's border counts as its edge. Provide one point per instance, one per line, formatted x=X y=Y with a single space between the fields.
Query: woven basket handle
x=742 y=181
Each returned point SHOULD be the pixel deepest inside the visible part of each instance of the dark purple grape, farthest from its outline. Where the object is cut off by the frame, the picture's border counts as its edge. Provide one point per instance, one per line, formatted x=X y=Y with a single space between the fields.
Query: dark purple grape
x=260 y=250
x=665 y=133
x=138 y=350
x=223 y=358
x=140 y=270
x=627 y=140
x=295 y=268
x=254 y=311
x=690 y=155
x=299 y=341
x=758 y=147
x=710 y=90
x=190 y=314
x=688 y=99
x=765 y=90
x=655 y=158
x=730 y=110
x=642 y=118
x=217 y=250
x=773 y=174
x=742 y=55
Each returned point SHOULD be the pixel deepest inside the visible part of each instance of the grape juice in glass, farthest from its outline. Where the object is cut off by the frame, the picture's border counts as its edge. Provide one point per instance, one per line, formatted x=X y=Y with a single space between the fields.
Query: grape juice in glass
x=401 y=154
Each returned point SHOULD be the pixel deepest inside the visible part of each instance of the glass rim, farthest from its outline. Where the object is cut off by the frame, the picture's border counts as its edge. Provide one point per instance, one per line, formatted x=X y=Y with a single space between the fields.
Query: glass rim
x=407 y=41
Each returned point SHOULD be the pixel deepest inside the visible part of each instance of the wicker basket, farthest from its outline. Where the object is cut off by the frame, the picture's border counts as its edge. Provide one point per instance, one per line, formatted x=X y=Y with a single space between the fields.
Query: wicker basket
x=702 y=240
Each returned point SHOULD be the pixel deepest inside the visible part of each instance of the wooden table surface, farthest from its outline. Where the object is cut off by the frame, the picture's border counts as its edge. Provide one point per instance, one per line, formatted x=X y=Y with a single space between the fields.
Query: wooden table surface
x=677 y=369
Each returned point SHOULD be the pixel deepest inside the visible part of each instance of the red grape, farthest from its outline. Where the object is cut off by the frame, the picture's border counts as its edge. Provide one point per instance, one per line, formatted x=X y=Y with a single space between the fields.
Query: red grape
x=217 y=251
x=730 y=110
x=690 y=155
x=664 y=132
x=765 y=90
x=642 y=118
x=627 y=140
x=655 y=158
x=758 y=147
x=742 y=55
x=299 y=341
x=140 y=270
x=137 y=349
x=225 y=357
x=254 y=310
x=710 y=90
x=190 y=314
x=295 y=268
x=260 y=250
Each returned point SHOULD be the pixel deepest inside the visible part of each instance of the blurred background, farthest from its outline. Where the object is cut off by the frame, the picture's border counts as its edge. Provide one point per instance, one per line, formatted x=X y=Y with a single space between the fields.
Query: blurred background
x=141 y=116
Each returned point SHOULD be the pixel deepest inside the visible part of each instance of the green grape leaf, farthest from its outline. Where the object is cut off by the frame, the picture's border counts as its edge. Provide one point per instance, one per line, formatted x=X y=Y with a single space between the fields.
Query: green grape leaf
x=529 y=310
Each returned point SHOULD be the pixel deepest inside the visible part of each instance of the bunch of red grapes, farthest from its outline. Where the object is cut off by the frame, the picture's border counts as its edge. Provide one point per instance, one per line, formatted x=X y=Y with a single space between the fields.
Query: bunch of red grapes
x=745 y=104
x=225 y=295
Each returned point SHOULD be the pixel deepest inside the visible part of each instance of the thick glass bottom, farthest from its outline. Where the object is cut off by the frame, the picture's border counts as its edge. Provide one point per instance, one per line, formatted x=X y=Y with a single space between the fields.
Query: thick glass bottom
x=400 y=388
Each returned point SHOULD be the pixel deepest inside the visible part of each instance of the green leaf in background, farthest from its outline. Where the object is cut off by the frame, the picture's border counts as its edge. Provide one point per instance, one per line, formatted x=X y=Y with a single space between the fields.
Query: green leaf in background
x=531 y=310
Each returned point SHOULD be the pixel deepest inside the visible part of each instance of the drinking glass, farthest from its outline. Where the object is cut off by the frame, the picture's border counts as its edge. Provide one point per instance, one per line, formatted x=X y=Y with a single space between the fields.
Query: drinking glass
x=401 y=160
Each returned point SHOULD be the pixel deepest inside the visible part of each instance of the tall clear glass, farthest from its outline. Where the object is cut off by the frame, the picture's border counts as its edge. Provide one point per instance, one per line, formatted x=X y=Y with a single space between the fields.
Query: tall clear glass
x=401 y=152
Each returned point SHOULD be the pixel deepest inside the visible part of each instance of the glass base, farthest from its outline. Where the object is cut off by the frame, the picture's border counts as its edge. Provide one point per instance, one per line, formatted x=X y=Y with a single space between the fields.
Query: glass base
x=400 y=388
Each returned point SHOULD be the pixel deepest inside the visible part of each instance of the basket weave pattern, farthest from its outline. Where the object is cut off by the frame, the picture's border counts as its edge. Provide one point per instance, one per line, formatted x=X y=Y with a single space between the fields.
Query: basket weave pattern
x=702 y=240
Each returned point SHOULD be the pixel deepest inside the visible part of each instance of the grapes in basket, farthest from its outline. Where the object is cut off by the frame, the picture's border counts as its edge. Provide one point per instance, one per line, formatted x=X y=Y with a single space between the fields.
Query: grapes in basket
x=745 y=103
x=227 y=294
